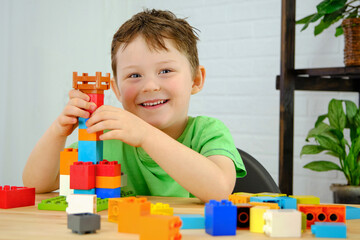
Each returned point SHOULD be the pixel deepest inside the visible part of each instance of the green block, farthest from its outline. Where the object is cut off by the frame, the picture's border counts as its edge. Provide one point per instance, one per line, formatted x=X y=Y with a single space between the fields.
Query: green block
x=55 y=204
x=60 y=204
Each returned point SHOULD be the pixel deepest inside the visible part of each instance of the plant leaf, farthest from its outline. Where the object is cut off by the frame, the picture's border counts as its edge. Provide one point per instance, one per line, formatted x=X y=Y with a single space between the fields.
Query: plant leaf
x=331 y=153
x=330 y=144
x=321 y=27
x=319 y=129
x=339 y=31
x=311 y=149
x=306 y=19
x=336 y=114
x=322 y=166
x=320 y=119
x=357 y=120
x=351 y=110
x=309 y=19
x=329 y=6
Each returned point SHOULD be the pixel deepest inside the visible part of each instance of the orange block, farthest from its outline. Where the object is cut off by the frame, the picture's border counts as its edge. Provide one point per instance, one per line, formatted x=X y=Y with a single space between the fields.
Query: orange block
x=85 y=136
x=108 y=182
x=270 y=205
x=236 y=199
x=154 y=227
x=113 y=209
x=323 y=213
x=130 y=211
x=67 y=158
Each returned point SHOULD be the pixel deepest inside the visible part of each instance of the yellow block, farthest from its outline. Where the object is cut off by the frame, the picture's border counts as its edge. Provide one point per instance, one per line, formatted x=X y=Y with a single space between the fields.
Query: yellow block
x=236 y=199
x=267 y=194
x=306 y=199
x=270 y=205
x=161 y=209
x=256 y=218
x=108 y=182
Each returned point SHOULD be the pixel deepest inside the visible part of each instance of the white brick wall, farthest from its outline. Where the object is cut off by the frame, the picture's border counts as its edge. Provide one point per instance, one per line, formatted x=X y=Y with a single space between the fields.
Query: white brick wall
x=240 y=48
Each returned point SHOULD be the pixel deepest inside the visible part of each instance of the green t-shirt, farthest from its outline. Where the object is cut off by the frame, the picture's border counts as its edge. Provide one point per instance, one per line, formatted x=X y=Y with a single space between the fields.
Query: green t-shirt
x=205 y=135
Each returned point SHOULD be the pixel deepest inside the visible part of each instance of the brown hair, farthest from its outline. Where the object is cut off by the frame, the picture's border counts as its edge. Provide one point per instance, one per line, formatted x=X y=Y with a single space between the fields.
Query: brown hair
x=154 y=26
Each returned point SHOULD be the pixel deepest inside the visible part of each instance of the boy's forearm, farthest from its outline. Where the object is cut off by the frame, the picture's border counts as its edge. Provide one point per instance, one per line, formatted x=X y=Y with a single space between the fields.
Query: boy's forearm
x=196 y=173
x=42 y=168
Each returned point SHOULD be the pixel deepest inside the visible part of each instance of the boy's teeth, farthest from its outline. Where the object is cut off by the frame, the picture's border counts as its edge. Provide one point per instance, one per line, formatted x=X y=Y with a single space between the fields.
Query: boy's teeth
x=153 y=103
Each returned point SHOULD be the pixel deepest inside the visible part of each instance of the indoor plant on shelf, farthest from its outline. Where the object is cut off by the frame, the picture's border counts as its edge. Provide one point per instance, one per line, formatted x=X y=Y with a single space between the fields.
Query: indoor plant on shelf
x=332 y=11
x=330 y=135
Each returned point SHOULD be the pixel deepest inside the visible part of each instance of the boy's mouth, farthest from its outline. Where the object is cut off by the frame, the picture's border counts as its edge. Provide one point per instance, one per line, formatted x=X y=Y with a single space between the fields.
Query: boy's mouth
x=154 y=103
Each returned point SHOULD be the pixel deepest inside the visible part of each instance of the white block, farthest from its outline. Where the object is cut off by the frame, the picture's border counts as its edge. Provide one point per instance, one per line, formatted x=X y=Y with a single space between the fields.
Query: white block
x=65 y=185
x=123 y=180
x=81 y=203
x=282 y=223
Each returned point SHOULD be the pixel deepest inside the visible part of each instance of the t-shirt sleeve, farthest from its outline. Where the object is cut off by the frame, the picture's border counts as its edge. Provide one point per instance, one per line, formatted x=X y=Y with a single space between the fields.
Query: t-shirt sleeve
x=214 y=138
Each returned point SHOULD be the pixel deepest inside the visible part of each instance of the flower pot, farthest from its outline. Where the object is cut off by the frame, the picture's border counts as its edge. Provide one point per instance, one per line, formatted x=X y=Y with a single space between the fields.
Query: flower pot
x=351 y=27
x=346 y=194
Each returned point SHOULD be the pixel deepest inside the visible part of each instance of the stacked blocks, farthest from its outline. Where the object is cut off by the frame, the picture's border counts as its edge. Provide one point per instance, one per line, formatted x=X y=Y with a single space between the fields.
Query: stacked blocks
x=82 y=176
x=108 y=179
x=67 y=158
x=243 y=215
x=80 y=203
x=13 y=197
x=220 y=218
x=323 y=213
x=283 y=201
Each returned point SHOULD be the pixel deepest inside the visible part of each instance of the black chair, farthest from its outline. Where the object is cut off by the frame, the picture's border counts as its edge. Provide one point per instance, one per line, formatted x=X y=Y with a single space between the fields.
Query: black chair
x=257 y=179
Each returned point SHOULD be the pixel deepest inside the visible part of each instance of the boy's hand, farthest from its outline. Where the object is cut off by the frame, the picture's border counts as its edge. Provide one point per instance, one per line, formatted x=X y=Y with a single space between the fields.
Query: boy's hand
x=122 y=124
x=76 y=107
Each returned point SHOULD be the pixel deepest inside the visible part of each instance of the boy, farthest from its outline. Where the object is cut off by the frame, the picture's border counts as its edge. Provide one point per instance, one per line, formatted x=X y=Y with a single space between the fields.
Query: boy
x=162 y=150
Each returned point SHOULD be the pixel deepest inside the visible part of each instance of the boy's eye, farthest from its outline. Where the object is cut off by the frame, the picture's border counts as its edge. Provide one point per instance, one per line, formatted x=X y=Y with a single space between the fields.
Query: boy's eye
x=134 y=75
x=165 y=71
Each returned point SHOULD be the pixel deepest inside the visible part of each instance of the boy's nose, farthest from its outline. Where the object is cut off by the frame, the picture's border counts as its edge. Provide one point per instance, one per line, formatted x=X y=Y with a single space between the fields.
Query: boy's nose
x=151 y=84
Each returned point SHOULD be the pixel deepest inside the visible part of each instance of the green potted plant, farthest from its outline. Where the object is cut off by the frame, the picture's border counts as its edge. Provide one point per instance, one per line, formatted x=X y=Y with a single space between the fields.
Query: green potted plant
x=330 y=135
x=330 y=12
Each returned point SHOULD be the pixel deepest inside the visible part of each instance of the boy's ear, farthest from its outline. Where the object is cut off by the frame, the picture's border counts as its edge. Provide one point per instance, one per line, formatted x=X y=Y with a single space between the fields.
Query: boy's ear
x=199 y=80
x=115 y=89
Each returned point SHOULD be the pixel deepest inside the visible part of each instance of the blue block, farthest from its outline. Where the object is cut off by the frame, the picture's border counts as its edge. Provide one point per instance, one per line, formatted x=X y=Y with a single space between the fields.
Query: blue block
x=220 y=218
x=352 y=213
x=80 y=191
x=82 y=122
x=108 y=192
x=287 y=202
x=264 y=199
x=329 y=230
x=90 y=151
x=192 y=221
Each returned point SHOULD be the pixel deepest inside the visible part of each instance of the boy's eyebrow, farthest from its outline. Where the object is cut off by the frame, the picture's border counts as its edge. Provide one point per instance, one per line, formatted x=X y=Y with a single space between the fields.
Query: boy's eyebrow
x=157 y=63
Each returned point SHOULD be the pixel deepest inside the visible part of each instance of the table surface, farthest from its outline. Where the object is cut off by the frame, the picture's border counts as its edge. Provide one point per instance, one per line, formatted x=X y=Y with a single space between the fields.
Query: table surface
x=31 y=223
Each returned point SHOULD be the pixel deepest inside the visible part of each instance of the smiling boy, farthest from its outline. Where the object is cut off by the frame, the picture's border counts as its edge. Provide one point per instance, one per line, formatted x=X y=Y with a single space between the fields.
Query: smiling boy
x=163 y=151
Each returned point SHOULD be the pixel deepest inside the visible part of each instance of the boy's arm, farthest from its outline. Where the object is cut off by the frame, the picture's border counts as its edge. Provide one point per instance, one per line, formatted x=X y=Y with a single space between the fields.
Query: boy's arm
x=205 y=177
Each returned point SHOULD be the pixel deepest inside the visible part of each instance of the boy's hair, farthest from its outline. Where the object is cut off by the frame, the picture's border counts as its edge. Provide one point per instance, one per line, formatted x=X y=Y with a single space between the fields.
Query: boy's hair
x=154 y=26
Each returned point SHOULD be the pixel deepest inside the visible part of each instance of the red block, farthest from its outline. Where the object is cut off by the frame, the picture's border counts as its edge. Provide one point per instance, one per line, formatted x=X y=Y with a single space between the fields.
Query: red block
x=13 y=197
x=96 y=98
x=108 y=169
x=82 y=175
x=323 y=213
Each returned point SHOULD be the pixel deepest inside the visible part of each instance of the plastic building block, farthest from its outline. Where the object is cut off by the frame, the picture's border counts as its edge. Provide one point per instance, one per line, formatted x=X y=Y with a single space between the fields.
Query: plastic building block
x=257 y=220
x=236 y=198
x=96 y=98
x=85 y=136
x=306 y=199
x=329 y=230
x=130 y=211
x=54 y=204
x=283 y=202
x=13 y=197
x=266 y=204
x=108 y=192
x=322 y=213
x=81 y=203
x=192 y=221
x=108 y=182
x=352 y=213
x=109 y=169
x=156 y=227
x=282 y=223
x=91 y=84
x=220 y=218
x=243 y=215
x=102 y=204
x=269 y=194
x=82 y=122
x=90 y=151
x=88 y=191
x=67 y=158
x=161 y=209
x=65 y=185
x=113 y=209
x=82 y=223
x=82 y=175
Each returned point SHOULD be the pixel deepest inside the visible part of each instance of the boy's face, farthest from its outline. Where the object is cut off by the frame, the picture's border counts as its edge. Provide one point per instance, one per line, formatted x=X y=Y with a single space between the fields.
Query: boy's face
x=155 y=85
